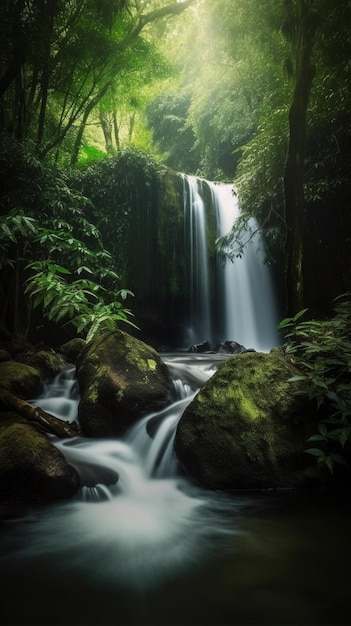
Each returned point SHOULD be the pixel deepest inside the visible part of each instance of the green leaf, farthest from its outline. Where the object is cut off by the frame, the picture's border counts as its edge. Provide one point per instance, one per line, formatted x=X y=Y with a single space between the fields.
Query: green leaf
x=315 y=452
x=59 y=268
x=316 y=438
x=299 y=314
x=297 y=378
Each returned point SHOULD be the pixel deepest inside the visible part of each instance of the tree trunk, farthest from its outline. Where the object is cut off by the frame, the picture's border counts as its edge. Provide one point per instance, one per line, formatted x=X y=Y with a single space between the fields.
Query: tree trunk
x=106 y=126
x=88 y=109
x=116 y=131
x=43 y=104
x=131 y=125
x=48 y=422
x=294 y=167
x=48 y=18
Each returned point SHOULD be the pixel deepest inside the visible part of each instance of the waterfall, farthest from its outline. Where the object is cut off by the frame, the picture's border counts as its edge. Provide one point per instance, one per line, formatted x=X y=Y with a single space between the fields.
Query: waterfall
x=199 y=323
x=244 y=286
x=241 y=304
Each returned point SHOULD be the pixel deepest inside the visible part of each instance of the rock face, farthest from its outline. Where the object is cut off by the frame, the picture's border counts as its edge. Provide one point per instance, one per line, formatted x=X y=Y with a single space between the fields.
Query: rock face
x=120 y=379
x=32 y=469
x=242 y=430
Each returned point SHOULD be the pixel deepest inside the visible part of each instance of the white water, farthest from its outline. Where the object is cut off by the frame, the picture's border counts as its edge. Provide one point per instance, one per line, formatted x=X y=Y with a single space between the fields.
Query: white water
x=199 y=325
x=249 y=308
x=148 y=525
x=242 y=305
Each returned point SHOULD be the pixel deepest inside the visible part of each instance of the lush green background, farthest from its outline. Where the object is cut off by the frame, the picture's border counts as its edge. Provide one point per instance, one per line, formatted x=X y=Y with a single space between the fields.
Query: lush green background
x=99 y=97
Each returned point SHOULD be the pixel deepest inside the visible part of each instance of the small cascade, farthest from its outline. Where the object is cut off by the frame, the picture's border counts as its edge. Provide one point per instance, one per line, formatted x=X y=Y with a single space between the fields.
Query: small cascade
x=136 y=520
x=199 y=322
x=108 y=468
x=61 y=396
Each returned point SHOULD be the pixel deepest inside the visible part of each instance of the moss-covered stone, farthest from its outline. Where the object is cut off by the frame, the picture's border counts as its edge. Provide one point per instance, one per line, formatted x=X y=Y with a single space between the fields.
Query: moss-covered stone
x=72 y=348
x=120 y=379
x=48 y=363
x=20 y=379
x=32 y=469
x=244 y=428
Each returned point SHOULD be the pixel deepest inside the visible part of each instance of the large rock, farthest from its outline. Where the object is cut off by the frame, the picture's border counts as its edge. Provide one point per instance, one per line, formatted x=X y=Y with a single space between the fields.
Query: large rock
x=72 y=348
x=19 y=378
x=120 y=379
x=244 y=429
x=47 y=363
x=32 y=469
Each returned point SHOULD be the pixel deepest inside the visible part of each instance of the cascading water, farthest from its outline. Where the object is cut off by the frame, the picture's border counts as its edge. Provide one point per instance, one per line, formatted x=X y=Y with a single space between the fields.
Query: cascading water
x=136 y=520
x=199 y=322
x=245 y=286
x=151 y=548
x=241 y=305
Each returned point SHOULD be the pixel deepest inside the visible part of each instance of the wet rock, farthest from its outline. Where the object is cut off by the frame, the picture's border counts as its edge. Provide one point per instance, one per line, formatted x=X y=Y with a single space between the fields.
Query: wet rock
x=120 y=379
x=244 y=429
x=72 y=348
x=200 y=347
x=230 y=347
x=48 y=363
x=32 y=469
x=20 y=379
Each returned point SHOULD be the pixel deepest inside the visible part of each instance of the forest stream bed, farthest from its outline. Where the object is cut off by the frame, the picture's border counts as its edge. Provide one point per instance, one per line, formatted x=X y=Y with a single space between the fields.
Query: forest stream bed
x=154 y=549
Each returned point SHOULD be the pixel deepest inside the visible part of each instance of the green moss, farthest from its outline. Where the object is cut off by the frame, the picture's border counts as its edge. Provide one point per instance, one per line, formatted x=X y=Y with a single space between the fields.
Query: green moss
x=93 y=393
x=247 y=407
x=25 y=441
x=19 y=378
x=119 y=395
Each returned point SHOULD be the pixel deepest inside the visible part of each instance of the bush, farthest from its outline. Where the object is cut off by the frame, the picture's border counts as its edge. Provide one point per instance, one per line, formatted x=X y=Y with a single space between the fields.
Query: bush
x=322 y=350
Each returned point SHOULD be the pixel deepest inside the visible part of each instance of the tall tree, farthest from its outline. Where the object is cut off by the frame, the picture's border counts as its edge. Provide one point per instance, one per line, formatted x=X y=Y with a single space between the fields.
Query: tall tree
x=300 y=28
x=65 y=57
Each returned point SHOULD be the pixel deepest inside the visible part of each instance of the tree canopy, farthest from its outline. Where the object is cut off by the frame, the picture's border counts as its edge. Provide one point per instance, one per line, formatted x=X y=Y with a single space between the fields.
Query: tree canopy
x=255 y=93
x=59 y=60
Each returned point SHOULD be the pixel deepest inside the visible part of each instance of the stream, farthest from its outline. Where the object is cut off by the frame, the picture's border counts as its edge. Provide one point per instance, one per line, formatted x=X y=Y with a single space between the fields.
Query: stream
x=153 y=548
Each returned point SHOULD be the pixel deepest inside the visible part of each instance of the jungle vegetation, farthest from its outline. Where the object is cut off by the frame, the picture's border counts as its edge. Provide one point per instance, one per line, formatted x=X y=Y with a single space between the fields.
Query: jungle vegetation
x=254 y=93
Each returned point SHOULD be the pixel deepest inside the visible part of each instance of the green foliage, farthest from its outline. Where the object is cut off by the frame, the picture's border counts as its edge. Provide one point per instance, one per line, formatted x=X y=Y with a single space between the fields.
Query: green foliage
x=322 y=350
x=90 y=153
x=81 y=302
x=48 y=245
x=60 y=60
x=123 y=189
x=168 y=117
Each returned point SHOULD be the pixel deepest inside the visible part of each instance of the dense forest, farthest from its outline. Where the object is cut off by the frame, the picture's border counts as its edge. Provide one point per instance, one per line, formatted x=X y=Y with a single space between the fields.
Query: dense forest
x=109 y=109
x=100 y=100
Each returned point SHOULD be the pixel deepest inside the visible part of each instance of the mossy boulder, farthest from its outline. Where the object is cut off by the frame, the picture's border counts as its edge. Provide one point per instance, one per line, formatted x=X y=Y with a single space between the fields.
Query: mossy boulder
x=120 y=379
x=32 y=469
x=48 y=363
x=72 y=348
x=246 y=429
x=20 y=379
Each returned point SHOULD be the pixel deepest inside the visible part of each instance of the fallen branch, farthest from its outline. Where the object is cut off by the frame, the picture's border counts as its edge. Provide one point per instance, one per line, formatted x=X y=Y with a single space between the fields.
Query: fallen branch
x=32 y=413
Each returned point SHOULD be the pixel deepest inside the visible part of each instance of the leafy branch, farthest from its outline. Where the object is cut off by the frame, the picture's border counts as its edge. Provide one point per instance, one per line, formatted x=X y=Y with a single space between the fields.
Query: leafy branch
x=322 y=349
x=81 y=302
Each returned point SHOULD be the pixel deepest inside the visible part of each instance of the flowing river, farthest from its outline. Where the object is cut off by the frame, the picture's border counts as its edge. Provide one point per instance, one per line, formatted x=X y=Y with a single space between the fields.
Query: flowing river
x=153 y=548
